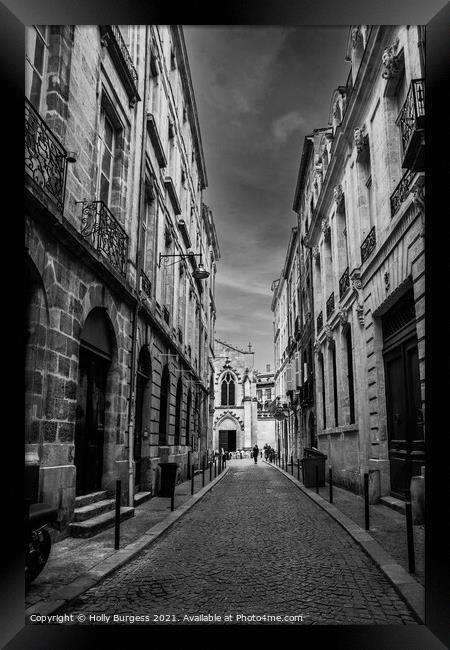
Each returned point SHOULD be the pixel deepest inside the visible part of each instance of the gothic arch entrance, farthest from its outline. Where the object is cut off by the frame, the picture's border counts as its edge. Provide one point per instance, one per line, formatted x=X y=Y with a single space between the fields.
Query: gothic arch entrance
x=228 y=437
x=94 y=362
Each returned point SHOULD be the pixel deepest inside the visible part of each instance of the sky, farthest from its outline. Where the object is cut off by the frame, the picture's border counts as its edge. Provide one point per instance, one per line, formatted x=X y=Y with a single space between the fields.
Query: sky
x=259 y=91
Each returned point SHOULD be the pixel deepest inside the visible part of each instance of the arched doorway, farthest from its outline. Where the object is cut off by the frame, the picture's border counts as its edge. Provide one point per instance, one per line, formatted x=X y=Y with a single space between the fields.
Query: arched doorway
x=94 y=362
x=228 y=434
x=142 y=413
x=178 y=404
x=164 y=406
x=188 y=418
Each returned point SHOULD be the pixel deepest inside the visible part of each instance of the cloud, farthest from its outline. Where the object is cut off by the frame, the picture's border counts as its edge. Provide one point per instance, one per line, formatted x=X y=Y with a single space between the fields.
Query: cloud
x=284 y=126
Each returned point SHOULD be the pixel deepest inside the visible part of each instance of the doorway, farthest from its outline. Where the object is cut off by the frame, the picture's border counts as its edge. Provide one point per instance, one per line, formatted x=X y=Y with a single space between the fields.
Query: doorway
x=94 y=363
x=142 y=412
x=403 y=399
x=227 y=440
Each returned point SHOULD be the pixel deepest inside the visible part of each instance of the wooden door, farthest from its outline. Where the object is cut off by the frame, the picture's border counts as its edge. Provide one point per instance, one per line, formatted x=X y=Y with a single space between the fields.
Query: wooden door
x=90 y=422
x=405 y=432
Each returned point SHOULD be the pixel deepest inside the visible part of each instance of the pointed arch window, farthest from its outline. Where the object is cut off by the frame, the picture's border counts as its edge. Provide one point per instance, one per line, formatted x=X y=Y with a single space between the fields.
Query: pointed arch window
x=228 y=390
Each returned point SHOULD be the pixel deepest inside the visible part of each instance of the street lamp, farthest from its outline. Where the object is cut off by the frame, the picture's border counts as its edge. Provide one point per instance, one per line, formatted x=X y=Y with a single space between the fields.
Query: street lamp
x=200 y=273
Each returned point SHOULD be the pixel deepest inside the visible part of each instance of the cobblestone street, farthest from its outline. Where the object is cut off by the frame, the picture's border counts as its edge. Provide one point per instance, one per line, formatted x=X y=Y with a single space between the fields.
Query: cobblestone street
x=254 y=545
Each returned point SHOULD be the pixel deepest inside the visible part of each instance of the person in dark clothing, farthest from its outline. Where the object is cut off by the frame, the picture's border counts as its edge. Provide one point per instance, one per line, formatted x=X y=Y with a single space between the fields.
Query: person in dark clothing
x=255 y=453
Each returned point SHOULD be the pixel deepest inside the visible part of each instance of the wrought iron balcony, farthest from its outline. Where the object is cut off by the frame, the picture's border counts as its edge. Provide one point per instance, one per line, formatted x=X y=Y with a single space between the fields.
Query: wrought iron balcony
x=368 y=245
x=146 y=285
x=401 y=192
x=113 y=39
x=344 y=283
x=330 y=305
x=319 y=324
x=102 y=230
x=45 y=157
x=411 y=122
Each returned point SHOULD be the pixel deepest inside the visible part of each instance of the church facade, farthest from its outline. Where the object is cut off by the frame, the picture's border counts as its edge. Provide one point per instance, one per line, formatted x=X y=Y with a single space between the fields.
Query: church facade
x=237 y=425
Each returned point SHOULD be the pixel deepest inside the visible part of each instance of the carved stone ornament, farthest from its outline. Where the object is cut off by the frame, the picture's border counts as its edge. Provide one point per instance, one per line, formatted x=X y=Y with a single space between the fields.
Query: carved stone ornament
x=328 y=332
x=316 y=253
x=338 y=194
x=343 y=316
x=325 y=226
x=356 y=36
x=390 y=61
x=359 y=135
x=357 y=289
x=316 y=346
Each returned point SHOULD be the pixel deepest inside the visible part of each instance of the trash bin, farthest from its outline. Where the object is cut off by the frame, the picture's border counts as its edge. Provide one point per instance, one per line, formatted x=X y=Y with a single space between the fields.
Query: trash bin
x=168 y=477
x=313 y=458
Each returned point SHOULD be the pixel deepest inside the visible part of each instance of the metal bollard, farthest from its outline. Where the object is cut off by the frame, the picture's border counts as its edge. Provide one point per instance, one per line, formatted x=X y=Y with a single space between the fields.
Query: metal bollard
x=410 y=534
x=330 y=483
x=298 y=469
x=192 y=479
x=117 y=519
x=366 y=500
x=172 y=498
x=203 y=473
x=210 y=471
x=292 y=465
x=317 y=479
x=215 y=468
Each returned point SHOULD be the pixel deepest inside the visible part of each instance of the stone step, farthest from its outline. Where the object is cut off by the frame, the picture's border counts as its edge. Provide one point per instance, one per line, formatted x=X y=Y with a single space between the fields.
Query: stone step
x=93 y=509
x=395 y=504
x=141 y=497
x=95 y=525
x=85 y=499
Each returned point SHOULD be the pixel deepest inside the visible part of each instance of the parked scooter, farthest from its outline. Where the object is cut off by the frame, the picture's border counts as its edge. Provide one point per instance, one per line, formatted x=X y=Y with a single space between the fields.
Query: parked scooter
x=37 y=538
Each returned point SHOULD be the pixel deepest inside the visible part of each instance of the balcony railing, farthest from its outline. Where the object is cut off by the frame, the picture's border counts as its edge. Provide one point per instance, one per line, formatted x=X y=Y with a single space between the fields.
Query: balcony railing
x=319 y=324
x=45 y=157
x=102 y=230
x=330 y=305
x=368 y=245
x=113 y=39
x=146 y=285
x=401 y=192
x=344 y=283
x=411 y=120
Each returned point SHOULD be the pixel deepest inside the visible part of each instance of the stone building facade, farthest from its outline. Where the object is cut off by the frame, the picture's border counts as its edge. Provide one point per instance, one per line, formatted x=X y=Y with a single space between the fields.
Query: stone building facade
x=119 y=325
x=362 y=209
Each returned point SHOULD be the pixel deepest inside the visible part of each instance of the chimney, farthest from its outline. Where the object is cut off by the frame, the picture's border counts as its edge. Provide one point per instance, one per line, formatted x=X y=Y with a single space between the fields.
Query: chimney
x=268 y=367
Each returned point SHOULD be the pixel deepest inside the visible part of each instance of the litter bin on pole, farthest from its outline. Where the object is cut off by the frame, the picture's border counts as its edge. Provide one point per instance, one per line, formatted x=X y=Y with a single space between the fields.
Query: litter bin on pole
x=168 y=477
x=313 y=458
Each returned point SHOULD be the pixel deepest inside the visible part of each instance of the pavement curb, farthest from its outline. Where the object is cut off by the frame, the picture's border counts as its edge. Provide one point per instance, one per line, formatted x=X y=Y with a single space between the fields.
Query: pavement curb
x=409 y=589
x=117 y=559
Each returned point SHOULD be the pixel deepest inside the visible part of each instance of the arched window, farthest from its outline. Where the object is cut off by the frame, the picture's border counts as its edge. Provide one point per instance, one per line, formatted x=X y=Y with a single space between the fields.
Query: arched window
x=228 y=390
x=178 y=403
x=164 y=406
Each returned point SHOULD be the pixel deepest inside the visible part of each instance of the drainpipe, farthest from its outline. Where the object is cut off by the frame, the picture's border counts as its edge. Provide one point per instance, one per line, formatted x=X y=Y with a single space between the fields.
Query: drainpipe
x=131 y=401
x=421 y=45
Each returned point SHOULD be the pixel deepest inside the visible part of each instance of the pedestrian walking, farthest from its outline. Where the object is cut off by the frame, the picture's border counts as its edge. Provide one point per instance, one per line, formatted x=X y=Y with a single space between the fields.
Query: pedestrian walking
x=255 y=453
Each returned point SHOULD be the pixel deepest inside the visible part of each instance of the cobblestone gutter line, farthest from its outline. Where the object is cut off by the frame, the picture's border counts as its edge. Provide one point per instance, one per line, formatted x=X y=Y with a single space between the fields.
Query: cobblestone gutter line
x=408 y=588
x=104 y=568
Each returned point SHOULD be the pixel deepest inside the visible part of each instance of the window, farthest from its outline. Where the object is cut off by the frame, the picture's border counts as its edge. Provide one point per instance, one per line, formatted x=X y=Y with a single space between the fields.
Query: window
x=36 y=62
x=107 y=141
x=268 y=394
x=351 y=388
x=188 y=417
x=324 y=404
x=335 y=390
x=228 y=389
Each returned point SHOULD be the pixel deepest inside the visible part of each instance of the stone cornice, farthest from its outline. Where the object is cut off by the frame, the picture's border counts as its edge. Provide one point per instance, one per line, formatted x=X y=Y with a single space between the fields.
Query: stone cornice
x=343 y=143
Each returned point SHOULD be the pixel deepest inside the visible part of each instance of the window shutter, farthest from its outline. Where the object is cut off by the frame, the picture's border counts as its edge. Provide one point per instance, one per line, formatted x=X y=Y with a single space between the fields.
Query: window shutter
x=289 y=382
